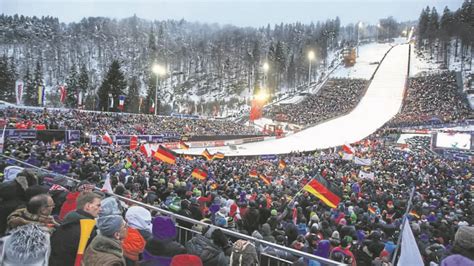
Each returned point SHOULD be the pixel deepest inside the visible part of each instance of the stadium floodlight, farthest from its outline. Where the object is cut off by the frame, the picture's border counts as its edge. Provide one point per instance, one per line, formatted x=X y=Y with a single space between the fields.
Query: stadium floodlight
x=262 y=95
x=159 y=71
x=311 y=57
x=265 y=67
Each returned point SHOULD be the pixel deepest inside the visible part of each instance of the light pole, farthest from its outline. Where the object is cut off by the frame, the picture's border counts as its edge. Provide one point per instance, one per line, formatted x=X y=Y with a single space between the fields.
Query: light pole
x=378 y=28
x=265 y=70
x=159 y=71
x=359 y=26
x=311 y=56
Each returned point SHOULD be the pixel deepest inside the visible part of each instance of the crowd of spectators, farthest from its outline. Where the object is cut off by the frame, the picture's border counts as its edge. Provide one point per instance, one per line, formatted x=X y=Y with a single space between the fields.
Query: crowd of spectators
x=362 y=230
x=335 y=98
x=433 y=99
x=120 y=123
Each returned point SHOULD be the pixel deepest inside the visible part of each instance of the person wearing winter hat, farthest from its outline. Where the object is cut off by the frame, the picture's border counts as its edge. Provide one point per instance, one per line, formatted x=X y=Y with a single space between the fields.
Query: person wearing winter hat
x=110 y=206
x=463 y=248
x=161 y=247
x=185 y=259
x=106 y=247
x=342 y=253
x=26 y=245
x=139 y=231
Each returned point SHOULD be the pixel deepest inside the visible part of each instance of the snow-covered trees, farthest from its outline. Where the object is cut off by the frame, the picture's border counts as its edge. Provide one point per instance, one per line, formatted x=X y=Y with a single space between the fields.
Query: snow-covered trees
x=114 y=85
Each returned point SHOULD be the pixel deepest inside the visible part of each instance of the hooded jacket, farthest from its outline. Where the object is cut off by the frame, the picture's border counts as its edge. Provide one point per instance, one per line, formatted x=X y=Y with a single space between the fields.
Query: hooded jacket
x=103 y=251
x=27 y=245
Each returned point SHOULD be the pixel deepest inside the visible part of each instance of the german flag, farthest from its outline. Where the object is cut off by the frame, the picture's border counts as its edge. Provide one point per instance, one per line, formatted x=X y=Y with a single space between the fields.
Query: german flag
x=324 y=191
x=188 y=157
x=165 y=155
x=253 y=173
x=372 y=210
x=207 y=155
x=264 y=179
x=183 y=145
x=213 y=186
x=199 y=174
x=218 y=155
x=282 y=164
x=414 y=214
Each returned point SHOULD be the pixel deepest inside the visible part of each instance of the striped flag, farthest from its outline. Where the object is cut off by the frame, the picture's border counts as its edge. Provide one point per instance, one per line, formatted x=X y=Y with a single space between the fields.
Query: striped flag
x=121 y=102
x=146 y=149
x=106 y=137
x=165 y=155
x=264 y=179
x=62 y=93
x=57 y=187
x=253 y=173
x=414 y=214
x=199 y=174
x=282 y=164
x=41 y=95
x=324 y=191
x=183 y=145
x=188 y=157
x=218 y=155
x=372 y=210
x=207 y=155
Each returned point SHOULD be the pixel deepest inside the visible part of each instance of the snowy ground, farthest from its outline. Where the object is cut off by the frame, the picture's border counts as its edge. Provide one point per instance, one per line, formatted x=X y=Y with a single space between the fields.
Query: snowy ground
x=381 y=102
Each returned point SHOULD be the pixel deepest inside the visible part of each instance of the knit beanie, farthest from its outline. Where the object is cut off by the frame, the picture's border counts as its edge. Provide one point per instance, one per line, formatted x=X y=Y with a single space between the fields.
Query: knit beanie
x=464 y=237
x=186 y=260
x=108 y=225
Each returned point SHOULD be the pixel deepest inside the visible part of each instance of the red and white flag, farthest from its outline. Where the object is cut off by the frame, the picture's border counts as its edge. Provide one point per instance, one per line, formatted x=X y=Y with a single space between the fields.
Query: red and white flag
x=146 y=149
x=348 y=148
x=107 y=187
x=106 y=137
x=62 y=93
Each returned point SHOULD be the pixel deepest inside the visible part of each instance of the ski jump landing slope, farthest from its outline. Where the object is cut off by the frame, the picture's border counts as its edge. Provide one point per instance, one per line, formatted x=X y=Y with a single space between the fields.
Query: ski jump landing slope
x=381 y=102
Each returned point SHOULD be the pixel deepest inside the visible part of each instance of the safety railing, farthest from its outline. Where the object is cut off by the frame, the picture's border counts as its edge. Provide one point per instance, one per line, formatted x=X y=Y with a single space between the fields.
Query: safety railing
x=184 y=234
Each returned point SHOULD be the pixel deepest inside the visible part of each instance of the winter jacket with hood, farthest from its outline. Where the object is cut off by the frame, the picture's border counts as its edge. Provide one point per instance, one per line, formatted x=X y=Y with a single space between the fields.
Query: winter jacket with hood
x=210 y=253
x=104 y=251
x=26 y=245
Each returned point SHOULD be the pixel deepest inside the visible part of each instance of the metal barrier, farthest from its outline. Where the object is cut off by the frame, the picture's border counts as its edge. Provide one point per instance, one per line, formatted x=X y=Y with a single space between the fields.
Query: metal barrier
x=184 y=234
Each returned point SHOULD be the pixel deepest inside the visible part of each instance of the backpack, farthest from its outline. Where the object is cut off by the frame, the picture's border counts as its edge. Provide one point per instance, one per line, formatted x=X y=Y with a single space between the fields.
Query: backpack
x=339 y=255
x=243 y=254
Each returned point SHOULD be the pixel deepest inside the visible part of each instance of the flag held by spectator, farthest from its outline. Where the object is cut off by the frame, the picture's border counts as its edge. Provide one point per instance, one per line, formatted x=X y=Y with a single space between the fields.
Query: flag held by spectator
x=133 y=142
x=86 y=229
x=264 y=179
x=253 y=173
x=188 y=157
x=348 y=148
x=218 y=155
x=410 y=254
x=414 y=214
x=146 y=149
x=183 y=145
x=107 y=187
x=199 y=174
x=56 y=187
x=324 y=191
x=282 y=164
x=366 y=175
x=362 y=161
x=165 y=155
x=106 y=137
x=372 y=210
x=207 y=155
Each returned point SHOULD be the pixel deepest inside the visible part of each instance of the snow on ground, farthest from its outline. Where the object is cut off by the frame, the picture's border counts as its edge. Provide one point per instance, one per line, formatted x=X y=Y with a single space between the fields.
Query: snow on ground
x=381 y=102
x=366 y=63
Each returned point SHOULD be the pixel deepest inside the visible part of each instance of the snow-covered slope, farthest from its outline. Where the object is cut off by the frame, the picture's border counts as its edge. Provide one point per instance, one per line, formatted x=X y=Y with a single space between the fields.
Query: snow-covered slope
x=381 y=102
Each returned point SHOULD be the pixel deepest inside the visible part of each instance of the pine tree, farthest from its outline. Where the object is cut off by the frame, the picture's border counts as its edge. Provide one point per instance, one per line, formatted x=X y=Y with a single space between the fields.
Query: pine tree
x=423 y=22
x=114 y=84
x=72 y=88
x=30 y=95
x=4 y=77
x=133 y=99
x=84 y=86
x=37 y=83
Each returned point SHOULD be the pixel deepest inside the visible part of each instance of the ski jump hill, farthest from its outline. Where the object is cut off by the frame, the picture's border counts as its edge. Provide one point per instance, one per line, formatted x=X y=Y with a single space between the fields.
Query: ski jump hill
x=380 y=103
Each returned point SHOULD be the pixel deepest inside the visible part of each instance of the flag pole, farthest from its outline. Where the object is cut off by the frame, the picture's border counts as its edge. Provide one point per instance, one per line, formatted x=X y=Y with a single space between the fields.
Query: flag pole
x=403 y=225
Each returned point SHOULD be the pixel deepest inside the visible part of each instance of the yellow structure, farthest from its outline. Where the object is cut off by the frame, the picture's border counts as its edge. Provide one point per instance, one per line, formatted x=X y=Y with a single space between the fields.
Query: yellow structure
x=349 y=54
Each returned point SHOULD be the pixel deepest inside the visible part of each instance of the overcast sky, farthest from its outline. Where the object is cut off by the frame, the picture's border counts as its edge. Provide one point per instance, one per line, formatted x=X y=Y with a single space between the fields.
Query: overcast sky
x=236 y=12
